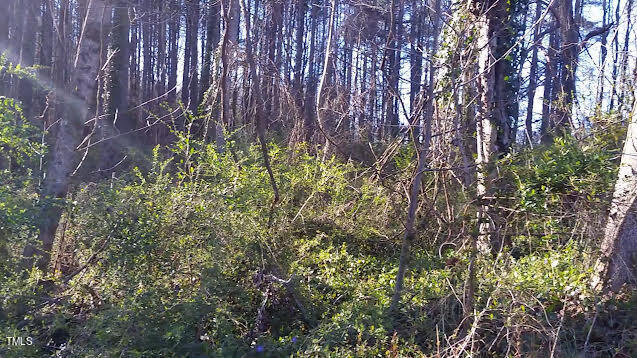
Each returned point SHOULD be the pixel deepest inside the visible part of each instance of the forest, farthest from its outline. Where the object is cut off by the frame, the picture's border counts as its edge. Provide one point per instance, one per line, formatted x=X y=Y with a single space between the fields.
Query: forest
x=318 y=178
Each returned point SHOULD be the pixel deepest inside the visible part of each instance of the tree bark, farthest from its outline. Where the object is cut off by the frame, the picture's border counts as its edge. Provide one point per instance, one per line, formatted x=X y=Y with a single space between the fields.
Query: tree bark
x=603 y=53
x=493 y=127
x=569 y=51
x=321 y=93
x=625 y=56
x=310 y=93
x=193 y=76
x=119 y=69
x=116 y=118
x=27 y=53
x=618 y=262
x=174 y=25
x=613 y=94
x=212 y=41
x=550 y=69
x=528 y=123
x=297 y=84
x=228 y=45
x=147 y=48
x=415 y=59
x=69 y=134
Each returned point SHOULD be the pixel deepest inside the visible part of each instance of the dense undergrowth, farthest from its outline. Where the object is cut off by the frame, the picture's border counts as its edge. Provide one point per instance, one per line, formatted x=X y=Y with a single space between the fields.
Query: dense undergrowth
x=186 y=254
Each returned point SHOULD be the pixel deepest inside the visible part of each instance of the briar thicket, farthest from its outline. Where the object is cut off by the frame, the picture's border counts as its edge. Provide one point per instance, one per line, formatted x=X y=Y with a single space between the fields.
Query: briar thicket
x=370 y=178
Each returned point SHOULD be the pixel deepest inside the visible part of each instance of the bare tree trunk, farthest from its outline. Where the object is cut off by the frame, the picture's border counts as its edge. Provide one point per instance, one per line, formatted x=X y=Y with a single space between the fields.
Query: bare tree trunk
x=625 y=55
x=147 y=48
x=321 y=93
x=550 y=69
x=491 y=119
x=310 y=93
x=258 y=102
x=186 y=71
x=618 y=262
x=68 y=136
x=603 y=53
x=116 y=101
x=568 y=64
x=4 y=27
x=193 y=76
x=119 y=68
x=423 y=153
x=613 y=94
x=297 y=89
x=212 y=41
x=5 y=17
x=161 y=51
x=228 y=45
x=347 y=80
x=27 y=53
x=415 y=59
x=271 y=80
x=533 y=76
x=134 y=89
x=174 y=25
x=373 y=135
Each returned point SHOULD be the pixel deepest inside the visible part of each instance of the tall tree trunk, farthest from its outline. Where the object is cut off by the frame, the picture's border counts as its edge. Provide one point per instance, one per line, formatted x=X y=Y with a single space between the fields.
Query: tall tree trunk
x=310 y=93
x=119 y=69
x=5 y=17
x=212 y=41
x=373 y=98
x=493 y=127
x=27 y=53
x=618 y=263
x=228 y=46
x=161 y=50
x=174 y=27
x=415 y=59
x=328 y=68
x=625 y=56
x=550 y=70
x=271 y=80
x=613 y=94
x=4 y=26
x=393 y=92
x=528 y=123
x=116 y=105
x=603 y=53
x=147 y=48
x=297 y=85
x=134 y=90
x=423 y=153
x=568 y=65
x=185 y=71
x=69 y=134
x=193 y=91
x=258 y=102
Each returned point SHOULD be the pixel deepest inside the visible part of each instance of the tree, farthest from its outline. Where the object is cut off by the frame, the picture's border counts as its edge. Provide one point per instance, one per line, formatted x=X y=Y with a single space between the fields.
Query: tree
x=528 y=123
x=492 y=120
x=416 y=183
x=257 y=98
x=569 y=50
x=174 y=27
x=324 y=83
x=116 y=104
x=69 y=135
x=618 y=262
x=228 y=47
x=212 y=41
